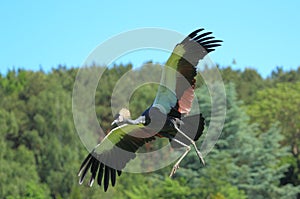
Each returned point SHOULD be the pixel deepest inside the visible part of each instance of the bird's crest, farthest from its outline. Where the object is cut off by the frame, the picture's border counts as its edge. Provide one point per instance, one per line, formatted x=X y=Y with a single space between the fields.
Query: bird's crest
x=125 y=113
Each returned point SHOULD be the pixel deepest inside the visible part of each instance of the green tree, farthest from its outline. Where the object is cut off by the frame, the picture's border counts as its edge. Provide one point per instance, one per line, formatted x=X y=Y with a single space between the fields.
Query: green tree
x=281 y=105
x=41 y=152
x=244 y=160
x=247 y=82
x=279 y=75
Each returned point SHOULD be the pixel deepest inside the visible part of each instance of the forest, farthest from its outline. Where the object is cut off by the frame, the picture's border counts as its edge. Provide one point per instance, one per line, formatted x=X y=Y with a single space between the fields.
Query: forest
x=256 y=156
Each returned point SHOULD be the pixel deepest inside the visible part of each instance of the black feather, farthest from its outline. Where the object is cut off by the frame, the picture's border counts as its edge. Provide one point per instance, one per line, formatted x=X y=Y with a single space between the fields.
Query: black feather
x=106 y=178
x=113 y=176
x=202 y=35
x=190 y=128
x=94 y=169
x=119 y=172
x=210 y=42
x=210 y=50
x=211 y=45
x=100 y=174
x=84 y=163
x=85 y=170
x=93 y=160
x=193 y=34
x=204 y=39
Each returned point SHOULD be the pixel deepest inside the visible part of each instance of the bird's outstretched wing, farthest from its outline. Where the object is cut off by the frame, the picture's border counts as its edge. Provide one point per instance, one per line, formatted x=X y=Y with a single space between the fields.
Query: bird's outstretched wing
x=113 y=153
x=178 y=78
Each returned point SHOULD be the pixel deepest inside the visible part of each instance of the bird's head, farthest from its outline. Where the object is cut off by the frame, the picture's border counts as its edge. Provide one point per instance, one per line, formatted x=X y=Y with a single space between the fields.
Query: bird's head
x=121 y=117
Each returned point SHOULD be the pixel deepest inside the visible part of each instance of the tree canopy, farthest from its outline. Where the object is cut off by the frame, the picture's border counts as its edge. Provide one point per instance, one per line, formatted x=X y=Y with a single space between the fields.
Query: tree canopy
x=256 y=156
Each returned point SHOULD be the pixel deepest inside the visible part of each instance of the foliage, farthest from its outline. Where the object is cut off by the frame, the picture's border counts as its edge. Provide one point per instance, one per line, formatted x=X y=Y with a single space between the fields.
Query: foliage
x=41 y=152
x=281 y=104
x=246 y=162
x=247 y=82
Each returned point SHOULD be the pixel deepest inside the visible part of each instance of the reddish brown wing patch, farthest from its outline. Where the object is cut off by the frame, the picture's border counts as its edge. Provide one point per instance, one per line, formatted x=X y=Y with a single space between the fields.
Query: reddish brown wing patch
x=185 y=102
x=185 y=80
x=196 y=47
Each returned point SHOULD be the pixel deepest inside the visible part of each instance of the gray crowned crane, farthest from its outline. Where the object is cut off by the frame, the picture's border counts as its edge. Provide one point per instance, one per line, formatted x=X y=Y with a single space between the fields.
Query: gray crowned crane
x=168 y=116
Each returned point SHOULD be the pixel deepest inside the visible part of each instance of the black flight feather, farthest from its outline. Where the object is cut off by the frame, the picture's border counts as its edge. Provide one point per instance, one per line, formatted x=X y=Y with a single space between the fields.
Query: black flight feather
x=84 y=163
x=85 y=170
x=94 y=169
x=194 y=33
x=119 y=172
x=100 y=174
x=113 y=176
x=106 y=178
x=204 y=39
x=210 y=42
x=202 y=35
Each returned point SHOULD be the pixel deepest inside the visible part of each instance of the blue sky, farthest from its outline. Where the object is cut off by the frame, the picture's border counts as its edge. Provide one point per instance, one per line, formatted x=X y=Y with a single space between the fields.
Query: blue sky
x=44 y=34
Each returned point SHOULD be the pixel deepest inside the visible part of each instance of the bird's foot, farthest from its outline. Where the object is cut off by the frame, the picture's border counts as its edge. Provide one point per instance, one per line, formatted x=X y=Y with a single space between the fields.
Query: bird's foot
x=175 y=167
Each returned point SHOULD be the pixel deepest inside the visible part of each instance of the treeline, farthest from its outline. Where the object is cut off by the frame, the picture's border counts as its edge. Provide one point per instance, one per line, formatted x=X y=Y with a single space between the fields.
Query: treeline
x=256 y=156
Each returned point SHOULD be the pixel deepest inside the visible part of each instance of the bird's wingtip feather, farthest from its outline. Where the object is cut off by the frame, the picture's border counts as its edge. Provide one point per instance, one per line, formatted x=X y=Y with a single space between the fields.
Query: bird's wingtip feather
x=194 y=33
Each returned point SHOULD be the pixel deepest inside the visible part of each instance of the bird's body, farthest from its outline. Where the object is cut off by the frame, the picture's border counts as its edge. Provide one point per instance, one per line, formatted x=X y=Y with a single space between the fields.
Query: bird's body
x=167 y=117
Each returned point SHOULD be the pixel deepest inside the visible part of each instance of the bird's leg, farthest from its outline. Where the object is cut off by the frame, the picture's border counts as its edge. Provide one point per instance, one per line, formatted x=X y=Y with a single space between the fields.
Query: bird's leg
x=176 y=165
x=192 y=142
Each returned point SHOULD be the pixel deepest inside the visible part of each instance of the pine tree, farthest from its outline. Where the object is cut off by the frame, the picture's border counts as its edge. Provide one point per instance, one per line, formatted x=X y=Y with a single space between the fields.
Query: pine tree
x=245 y=162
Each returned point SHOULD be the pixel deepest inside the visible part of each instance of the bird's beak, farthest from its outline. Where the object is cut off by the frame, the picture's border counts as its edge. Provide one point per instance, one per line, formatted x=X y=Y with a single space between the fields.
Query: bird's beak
x=114 y=122
x=117 y=120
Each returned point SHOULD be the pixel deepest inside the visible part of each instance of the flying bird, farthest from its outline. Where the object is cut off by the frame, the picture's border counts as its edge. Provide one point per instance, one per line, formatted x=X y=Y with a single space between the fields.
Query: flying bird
x=168 y=116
